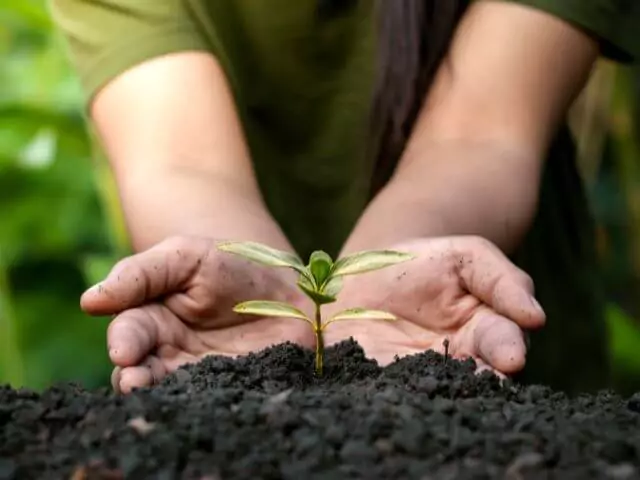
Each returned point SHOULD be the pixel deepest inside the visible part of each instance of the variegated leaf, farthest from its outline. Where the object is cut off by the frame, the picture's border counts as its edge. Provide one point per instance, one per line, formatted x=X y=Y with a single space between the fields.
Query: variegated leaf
x=333 y=287
x=367 y=261
x=263 y=254
x=269 y=308
x=362 y=313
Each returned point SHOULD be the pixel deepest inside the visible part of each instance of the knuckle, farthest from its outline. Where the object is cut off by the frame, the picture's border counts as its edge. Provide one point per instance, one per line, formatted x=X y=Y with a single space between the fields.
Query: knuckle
x=186 y=243
x=470 y=246
x=482 y=243
x=177 y=242
x=527 y=281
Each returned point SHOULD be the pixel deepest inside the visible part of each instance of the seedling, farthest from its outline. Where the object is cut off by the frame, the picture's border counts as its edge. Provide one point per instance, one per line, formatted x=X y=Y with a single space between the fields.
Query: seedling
x=320 y=280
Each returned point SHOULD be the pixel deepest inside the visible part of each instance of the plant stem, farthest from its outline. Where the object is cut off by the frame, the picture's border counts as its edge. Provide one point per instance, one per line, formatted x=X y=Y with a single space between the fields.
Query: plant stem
x=319 y=341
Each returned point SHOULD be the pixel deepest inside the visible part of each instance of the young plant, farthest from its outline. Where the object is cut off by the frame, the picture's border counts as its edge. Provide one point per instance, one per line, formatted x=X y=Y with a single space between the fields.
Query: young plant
x=320 y=280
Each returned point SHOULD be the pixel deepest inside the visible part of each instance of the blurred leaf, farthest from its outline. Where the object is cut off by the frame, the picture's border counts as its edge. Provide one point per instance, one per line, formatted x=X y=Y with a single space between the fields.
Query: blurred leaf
x=624 y=339
x=59 y=341
x=41 y=151
x=52 y=218
x=11 y=361
x=97 y=267
x=26 y=14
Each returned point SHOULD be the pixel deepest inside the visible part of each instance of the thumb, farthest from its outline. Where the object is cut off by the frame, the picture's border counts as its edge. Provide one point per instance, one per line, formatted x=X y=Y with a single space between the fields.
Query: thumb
x=492 y=278
x=499 y=342
x=138 y=279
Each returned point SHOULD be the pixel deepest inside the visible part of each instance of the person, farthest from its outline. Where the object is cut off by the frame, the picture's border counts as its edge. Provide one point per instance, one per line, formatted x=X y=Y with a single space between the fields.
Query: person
x=434 y=127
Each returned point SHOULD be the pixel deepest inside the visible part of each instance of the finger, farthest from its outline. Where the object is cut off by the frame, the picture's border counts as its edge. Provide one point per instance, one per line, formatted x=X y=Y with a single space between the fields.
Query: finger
x=491 y=277
x=132 y=335
x=135 y=377
x=482 y=367
x=143 y=277
x=499 y=342
x=145 y=375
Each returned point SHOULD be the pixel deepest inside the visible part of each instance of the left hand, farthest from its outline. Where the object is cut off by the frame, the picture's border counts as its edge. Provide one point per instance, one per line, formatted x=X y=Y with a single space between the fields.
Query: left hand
x=458 y=288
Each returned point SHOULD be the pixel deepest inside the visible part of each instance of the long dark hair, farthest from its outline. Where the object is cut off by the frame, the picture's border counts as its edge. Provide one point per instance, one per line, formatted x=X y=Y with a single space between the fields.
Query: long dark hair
x=413 y=38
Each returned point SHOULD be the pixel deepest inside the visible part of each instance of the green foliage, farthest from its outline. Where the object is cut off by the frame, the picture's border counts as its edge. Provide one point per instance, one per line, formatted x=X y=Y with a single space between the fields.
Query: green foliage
x=320 y=280
x=52 y=215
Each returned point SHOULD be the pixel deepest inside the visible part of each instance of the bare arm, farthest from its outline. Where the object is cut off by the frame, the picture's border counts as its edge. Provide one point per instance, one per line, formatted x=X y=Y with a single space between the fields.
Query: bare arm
x=474 y=161
x=174 y=141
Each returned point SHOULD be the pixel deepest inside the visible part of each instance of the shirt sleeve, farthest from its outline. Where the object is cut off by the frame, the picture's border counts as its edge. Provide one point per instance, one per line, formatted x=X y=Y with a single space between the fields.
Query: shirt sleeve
x=106 y=37
x=615 y=24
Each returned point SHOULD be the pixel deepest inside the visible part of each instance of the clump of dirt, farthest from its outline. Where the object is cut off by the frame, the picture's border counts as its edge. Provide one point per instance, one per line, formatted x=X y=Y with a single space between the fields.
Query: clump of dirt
x=267 y=416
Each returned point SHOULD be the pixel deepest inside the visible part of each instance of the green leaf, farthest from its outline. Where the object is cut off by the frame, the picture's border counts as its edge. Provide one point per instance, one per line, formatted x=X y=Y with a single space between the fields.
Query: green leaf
x=320 y=264
x=362 y=313
x=367 y=261
x=333 y=287
x=307 y=281
x=318 y=297
x=263 y=254
x=269 y=308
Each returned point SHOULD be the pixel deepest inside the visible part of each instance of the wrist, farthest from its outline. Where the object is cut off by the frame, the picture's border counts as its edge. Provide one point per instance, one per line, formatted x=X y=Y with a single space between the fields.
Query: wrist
x=163 y=202
x=454 y=188
x=396 y=215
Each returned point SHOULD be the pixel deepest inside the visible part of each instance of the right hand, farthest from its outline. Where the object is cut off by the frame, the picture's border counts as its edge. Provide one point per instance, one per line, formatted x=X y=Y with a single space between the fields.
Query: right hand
x=172 y=305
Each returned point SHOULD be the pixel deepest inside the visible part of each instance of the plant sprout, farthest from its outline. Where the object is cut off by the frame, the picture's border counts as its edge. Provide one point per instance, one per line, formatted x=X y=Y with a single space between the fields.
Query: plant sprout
x=320 y=280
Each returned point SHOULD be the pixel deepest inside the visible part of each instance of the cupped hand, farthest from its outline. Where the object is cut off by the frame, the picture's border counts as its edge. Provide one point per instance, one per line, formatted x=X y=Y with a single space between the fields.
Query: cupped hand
x=173 y=304
x=460 y=289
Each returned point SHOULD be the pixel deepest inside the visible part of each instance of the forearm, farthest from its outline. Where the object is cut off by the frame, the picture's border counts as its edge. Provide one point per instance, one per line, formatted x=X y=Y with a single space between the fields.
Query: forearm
x=455 y=188
x=179 y=157
x=474 y=159
x=170 y=200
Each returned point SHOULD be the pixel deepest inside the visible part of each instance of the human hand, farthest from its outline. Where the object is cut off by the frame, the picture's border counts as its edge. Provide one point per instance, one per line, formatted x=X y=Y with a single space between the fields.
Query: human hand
x=462 y=289
x=173 y=304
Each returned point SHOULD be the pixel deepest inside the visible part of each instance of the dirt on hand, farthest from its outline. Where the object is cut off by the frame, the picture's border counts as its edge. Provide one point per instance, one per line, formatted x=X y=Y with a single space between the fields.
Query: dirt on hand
x=267 y=416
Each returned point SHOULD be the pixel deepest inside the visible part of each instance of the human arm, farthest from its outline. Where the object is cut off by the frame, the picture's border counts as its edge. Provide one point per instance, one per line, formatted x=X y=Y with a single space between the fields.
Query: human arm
x=474 y=160
x=164 y=112
x=179 y=157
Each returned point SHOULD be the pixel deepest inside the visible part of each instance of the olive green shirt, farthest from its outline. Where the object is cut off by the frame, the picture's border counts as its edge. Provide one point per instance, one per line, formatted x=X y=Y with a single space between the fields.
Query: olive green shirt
x=302 y=83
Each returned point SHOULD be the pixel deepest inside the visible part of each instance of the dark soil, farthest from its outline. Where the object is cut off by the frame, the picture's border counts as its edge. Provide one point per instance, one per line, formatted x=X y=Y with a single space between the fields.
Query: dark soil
x=266 y=416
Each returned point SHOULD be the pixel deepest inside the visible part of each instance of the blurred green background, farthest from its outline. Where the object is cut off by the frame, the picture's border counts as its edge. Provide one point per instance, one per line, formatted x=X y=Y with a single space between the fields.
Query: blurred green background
x=60 y=230
x=56 y=236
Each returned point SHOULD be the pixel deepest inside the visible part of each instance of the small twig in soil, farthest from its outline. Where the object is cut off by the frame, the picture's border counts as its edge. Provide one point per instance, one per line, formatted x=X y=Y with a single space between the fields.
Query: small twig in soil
x=446 y=350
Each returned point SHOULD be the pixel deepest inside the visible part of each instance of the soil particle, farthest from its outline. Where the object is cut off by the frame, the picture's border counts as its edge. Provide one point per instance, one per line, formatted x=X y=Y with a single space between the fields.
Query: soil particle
x=268 y=416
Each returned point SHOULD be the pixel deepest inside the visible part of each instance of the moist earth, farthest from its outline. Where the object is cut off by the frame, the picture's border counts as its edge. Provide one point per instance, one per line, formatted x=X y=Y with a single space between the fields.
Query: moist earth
x=267 y=416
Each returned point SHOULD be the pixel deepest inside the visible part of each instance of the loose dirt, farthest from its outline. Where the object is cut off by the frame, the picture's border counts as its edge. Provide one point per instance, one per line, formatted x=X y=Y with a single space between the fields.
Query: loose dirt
x=266 y=416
